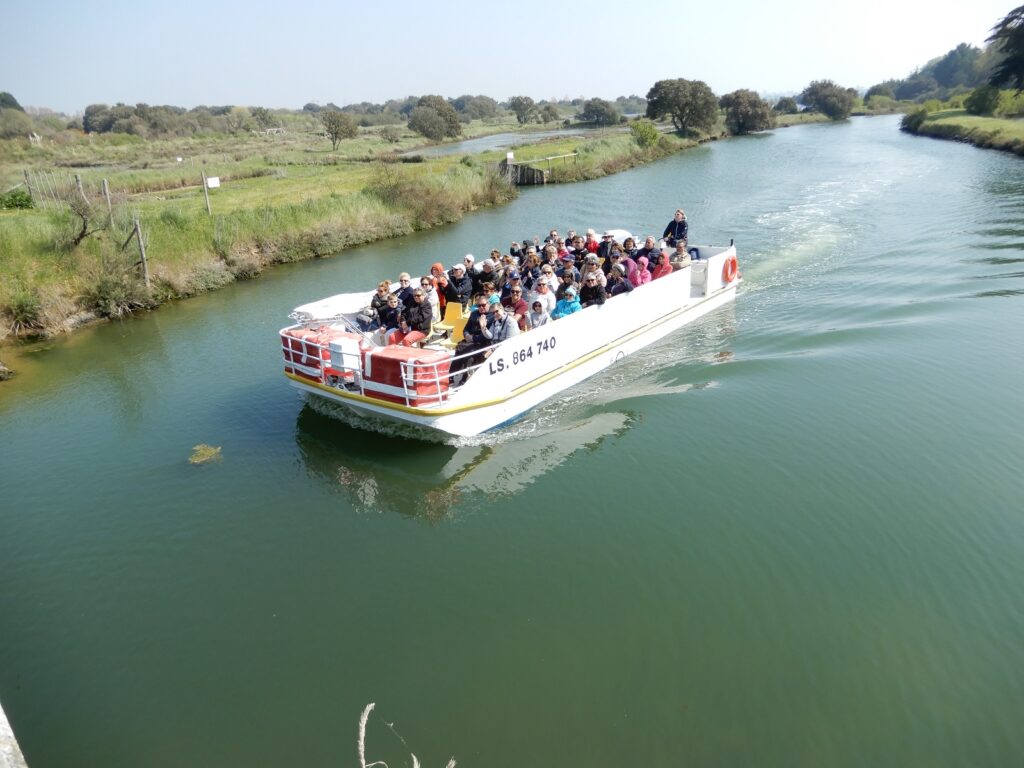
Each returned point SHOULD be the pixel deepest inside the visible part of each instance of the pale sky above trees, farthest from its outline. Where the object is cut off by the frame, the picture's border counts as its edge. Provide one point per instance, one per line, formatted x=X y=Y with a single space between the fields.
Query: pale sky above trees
x=65 y=54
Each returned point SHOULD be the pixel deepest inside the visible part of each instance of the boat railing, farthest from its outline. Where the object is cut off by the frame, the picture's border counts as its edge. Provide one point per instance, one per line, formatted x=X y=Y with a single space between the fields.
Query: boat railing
x=342 y=368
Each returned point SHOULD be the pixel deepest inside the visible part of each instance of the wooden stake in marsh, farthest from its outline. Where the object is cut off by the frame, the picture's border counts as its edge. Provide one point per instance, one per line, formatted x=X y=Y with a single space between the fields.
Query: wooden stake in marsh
x=142 y=252
x=206 y=193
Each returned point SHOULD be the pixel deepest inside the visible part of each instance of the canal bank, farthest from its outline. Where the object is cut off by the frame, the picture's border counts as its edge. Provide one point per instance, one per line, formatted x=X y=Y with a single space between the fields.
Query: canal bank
x=10 y=752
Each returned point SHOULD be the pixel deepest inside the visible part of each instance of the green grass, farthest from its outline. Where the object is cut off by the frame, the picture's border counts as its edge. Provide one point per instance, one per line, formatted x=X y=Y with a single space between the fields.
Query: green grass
x=987 y=132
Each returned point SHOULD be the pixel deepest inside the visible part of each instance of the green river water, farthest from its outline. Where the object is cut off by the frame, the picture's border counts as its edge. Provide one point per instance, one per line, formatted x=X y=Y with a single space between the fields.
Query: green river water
x=791 y=534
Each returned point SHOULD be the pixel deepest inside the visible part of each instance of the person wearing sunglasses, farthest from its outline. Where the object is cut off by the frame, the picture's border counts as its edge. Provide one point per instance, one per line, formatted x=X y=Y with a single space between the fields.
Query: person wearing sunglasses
x=469 y=351
x=592 y=293
x=516 y=305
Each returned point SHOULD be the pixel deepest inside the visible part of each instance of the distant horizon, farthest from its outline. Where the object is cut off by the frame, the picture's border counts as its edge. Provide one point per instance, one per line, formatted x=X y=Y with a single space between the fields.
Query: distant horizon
x=64 y=56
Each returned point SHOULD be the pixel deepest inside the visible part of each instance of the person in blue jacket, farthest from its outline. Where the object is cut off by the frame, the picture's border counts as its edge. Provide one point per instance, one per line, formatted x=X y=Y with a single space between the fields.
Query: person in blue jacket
x=566 y=305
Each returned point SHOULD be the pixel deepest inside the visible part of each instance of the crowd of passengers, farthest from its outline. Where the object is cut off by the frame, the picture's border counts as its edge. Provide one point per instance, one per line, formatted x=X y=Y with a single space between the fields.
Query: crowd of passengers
x=532 y=284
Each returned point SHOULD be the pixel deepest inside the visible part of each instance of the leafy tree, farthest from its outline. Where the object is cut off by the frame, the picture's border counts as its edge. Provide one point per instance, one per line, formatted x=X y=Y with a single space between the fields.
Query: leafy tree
x=957 y=68
x=600 y=112
x=7 y=101
x=1008 y=38
x=631 y=105
x=786 y=106
x=452 y=125
x=524 y=108
x=237 y=119
x=644 y=133
x=828 y=98
x=311 y=106
x=476 y=107
x=917 y=86
x=13 y=123
x=97 y=119
x=746 y=112
x=882 y=89
x=427 y=122
x=338 y=126
x=690 y=103
x=983 y=100
x=550 y=114
x=264 y=117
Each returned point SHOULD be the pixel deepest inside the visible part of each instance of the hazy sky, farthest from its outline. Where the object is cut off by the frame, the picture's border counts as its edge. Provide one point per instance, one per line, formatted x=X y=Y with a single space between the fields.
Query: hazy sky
x=66 y=54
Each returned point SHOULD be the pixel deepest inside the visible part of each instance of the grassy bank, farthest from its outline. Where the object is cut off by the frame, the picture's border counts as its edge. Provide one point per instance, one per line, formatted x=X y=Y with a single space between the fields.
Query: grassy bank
x=282 y=199
x=958 y=125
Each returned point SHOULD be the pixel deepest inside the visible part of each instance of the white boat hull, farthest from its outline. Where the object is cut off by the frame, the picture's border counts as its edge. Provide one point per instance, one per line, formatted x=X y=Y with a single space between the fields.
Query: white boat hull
x=526 y=370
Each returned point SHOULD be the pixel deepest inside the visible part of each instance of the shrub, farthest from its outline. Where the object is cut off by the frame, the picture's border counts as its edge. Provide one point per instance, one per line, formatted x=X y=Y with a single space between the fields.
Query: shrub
x=16 y=198
x=115 y=296
x=932 y=105
x=982 y=101
x=25 y=312
x=644 y=133
x=912 y=121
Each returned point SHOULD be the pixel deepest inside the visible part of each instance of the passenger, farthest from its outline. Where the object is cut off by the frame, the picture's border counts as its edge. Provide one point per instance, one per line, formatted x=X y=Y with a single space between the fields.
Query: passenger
x=567 y=305
x=618 y=283
x=642 y=275
x=512 y=281
x=469 y=351
x=549 y=257
x=459 y=287
x=431 y=297
x=516 y=306
x=614 y=257
x=592 y=267
x=568 y=281
x=414 y=324
x=681 y=257
x=537 y=316
x=629 y=247
x=649 y=245
x=390 y=316
x=568 y=266
x=502 y=326
x=576 y=245
x=440 y=280
x=488 y=273
x=604 y=248
x=544 y=294
x=516 y=252
x=530 y=271
x=404 y=291
x=369 y=318
x=591 y=242
x=471 y=265
x=677 y=229
x=662 y=267
x=592 y=293
x=547 y=272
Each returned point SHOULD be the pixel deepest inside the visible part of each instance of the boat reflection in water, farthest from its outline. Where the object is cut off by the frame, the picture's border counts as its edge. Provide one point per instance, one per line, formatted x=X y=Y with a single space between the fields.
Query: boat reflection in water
x=360 y=457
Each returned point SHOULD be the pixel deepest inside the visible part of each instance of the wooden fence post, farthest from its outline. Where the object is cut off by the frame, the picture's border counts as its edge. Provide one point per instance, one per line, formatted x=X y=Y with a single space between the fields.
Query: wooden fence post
x=206 y=193
x=78 y=183
x=142 y=251
x=110 y=208
x=28 y=183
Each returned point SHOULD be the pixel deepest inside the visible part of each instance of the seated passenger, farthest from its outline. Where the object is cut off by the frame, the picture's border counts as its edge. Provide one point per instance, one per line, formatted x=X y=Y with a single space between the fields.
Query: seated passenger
x=592 y=293
x=649 y=245
x=502 y=326
x=568 y=305
x=390 y=316
x=592 y=267
x=537 y=316
x=414 y=324
x=618 y=282
x=369 y=318
x=544 y=294
x=680 y=257
x=516 y=306
x=459 y=287
x=662 y=267
x=629 y=247
x=568 y=281
x=427 y=284
x=440 y=279
x=404 y=291
x=469 y=351
x=641 y=275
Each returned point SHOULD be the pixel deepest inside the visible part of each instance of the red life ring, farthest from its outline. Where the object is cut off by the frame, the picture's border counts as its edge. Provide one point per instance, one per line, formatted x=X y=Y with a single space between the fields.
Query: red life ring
x=730 y=269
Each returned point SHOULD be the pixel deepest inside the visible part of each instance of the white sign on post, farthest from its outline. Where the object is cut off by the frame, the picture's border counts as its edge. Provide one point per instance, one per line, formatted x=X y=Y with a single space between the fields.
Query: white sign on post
x=212 y=182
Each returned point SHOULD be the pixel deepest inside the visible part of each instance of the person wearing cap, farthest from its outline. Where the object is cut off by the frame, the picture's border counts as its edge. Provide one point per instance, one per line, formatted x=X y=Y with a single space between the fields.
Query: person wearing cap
x=459 y=287
x=677 y=229
x=592 y=292
x=537 y=316
x=516 y=305
x=592 y=266
x=618 y=283
x=470 y=262
x=662 y=266
x=604 y=249
x=567 y=305
x=488 y=274
x=511 y=278
x=568 y=266
x=544 y=293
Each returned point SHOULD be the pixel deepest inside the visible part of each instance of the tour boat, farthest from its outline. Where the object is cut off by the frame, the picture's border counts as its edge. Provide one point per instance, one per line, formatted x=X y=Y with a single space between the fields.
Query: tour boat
x=325 y=354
